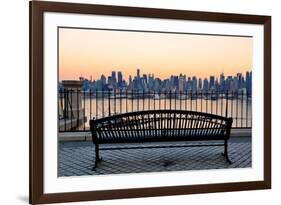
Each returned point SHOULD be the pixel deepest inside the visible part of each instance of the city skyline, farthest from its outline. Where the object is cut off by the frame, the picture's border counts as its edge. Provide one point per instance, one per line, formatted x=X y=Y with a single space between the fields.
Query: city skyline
x=92 y=52
x=148 y=82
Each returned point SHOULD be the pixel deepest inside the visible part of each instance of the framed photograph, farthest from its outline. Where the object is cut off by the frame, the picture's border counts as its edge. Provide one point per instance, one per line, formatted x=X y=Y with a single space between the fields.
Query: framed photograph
x=132 y=102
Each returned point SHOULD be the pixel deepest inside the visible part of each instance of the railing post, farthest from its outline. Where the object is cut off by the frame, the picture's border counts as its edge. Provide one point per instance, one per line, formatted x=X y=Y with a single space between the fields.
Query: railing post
x=236 y=95
x=65 y=107
x=159 y=103
x=84 y=108
x=170 y=99
x=164 y=93
x=114 y=93
x=102 y=100
x=206 y=99
x=212 y=94
x=132 y=101
x=120 y=101
x=90 y=104
x=196 y=97
x=126 y=100
x=226 y=105
x=191 y=100
x=175 y=102
x=154 y=99
x=78 y=96
x=109 y=109
x=242 y=102
x=143 y=107
x=232 y=97
x=247 y=109
x=201 y=100
x=96 y=103
x=180 y=98
x=218 y=96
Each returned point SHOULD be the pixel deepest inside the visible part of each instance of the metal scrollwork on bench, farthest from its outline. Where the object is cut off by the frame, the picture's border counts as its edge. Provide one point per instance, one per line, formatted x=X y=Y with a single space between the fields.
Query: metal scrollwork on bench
x=160 y=126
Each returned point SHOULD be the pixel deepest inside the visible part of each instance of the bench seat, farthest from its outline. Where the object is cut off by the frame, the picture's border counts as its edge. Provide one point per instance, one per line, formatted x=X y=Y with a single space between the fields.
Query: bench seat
x=160 y=126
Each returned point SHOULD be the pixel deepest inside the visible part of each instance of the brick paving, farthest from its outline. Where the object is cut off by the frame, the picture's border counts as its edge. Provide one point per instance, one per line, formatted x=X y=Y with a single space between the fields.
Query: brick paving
x=77 y=158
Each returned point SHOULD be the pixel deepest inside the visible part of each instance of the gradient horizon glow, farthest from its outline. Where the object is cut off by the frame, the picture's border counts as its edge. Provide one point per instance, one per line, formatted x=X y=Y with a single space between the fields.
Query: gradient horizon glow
x=91 y=53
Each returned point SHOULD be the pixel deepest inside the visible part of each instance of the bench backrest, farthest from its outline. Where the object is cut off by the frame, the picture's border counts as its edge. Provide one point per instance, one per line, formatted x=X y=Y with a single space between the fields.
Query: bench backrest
x=160 y=125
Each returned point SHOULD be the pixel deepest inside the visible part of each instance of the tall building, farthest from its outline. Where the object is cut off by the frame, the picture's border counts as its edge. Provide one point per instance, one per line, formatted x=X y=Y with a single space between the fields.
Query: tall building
x=216 y=84
x=113 y=77
x=110 y=82
x=205 y=85
x=235 y=83
x=248 y=83
x=222 y=83
x=189 y=84
x=103 y=80
x=184 y=81
x=229 y=84
x=150 y=81
x=130 y=79
x=251 y=83
x=212 y=82
x=239 y=80
x=200 y=84
x=194 y=84
x=172 y=82
x=138 y=85
x=181 y=83
x=176 y=82
x=120 y=78
x=145 y=78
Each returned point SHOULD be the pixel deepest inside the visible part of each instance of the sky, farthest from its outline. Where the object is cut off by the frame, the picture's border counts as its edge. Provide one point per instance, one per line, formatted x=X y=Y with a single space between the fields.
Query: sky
x=91 y=53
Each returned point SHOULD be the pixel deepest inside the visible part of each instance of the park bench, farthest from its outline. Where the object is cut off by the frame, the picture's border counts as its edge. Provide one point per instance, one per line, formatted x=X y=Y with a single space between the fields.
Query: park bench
x=160 y=126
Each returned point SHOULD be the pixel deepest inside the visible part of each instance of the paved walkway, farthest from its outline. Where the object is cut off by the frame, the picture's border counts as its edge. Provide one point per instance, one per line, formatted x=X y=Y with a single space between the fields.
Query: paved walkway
x=77 y=158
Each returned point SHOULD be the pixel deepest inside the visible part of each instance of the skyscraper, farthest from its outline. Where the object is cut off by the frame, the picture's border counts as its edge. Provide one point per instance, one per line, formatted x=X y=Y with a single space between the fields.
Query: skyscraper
x=212 y=82
x=113 y=76
x=138 y=80
x=130 y=79
x=239 y=80
x=248 y=83
x=145 y=78
x=120 y=78
x=189 y=84
x=194 y=84
x=200 y=84
x=110 y=82
x=222 y=83
x=229 y=84
x=103 y=80
x=181 y=83
x=205 y=85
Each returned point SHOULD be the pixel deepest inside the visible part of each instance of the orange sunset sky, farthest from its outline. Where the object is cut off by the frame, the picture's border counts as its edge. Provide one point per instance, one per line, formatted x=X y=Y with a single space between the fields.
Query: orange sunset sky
x=90 y=52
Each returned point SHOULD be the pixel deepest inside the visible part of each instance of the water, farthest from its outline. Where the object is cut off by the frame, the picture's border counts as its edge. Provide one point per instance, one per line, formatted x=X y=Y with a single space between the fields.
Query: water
x=239 y=109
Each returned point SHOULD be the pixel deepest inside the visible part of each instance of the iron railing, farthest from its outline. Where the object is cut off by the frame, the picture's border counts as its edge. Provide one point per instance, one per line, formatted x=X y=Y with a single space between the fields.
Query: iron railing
x=77 y=107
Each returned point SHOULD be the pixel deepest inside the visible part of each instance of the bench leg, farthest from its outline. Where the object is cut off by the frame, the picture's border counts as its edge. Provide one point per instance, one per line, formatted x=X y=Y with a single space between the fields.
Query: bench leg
x=225 y=153
x=97 y=157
